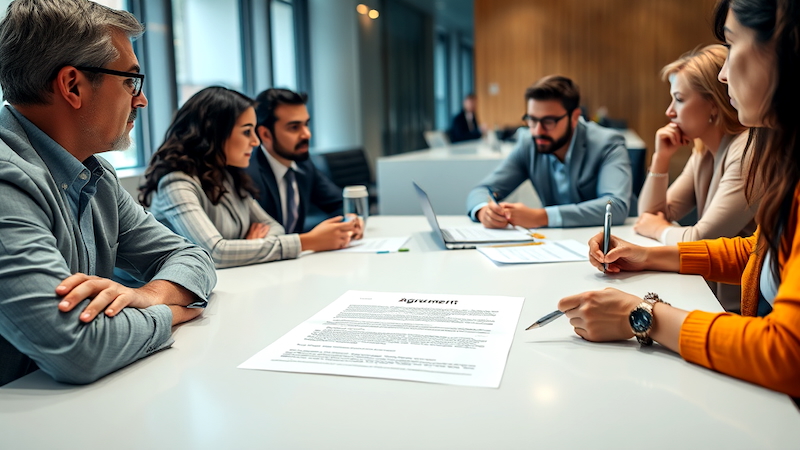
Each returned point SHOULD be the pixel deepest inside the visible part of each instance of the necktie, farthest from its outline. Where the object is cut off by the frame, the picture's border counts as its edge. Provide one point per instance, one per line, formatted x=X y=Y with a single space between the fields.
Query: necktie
x=290 y=220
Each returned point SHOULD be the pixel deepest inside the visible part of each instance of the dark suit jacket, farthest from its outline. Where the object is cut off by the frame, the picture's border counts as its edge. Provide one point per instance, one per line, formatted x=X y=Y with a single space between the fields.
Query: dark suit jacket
x=313 y=186
x=459 y=131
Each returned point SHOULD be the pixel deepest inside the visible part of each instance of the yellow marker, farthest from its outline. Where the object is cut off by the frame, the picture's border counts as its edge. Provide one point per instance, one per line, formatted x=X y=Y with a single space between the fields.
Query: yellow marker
x=516 y=245
x=538 y=236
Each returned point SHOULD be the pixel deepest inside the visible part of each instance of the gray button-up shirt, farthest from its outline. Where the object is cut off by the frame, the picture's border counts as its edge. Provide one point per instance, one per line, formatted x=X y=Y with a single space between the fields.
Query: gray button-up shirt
x=59 y=217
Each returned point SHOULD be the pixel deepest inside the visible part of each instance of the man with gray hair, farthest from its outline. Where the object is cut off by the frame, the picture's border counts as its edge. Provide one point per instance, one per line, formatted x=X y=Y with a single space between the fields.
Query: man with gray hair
x=68 y=71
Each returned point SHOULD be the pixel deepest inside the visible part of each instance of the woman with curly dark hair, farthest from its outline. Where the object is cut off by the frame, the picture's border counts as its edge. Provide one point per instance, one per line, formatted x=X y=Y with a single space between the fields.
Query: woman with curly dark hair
x=195 y=185
x=762 y=345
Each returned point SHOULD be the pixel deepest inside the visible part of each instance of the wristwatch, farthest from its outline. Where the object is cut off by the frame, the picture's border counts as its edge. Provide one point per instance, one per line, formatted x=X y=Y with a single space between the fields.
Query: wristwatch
x=641 y=318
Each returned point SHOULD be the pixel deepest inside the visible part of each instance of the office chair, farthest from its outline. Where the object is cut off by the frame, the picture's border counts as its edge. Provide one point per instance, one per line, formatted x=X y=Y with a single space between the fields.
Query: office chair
x=348 y=167
x=638 y=170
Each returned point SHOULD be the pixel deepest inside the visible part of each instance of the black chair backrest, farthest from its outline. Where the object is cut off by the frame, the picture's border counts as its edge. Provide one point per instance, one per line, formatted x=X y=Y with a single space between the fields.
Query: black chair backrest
x=638 y=169
x=345 y=167
x=637 y=157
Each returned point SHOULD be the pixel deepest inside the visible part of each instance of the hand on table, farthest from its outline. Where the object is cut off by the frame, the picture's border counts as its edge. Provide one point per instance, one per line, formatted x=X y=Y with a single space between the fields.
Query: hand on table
x=358 y=226
x=651 y=225
x=331 y=234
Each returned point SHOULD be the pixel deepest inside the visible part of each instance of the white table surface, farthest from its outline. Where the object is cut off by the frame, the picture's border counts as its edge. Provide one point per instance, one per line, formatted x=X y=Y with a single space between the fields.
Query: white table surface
x=558 y=391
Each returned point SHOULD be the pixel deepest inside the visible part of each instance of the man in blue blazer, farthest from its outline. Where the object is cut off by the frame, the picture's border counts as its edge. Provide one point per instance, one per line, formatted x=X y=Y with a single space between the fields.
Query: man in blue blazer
x=575 y=166
x=287 y=180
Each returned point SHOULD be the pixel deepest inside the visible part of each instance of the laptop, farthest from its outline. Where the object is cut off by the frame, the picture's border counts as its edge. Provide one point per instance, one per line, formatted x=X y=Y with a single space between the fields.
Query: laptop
x=466 y=237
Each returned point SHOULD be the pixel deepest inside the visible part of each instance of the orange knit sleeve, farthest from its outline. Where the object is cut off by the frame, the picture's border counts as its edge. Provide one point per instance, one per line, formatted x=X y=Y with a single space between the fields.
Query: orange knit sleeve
x=762 y=350
x=722 y=259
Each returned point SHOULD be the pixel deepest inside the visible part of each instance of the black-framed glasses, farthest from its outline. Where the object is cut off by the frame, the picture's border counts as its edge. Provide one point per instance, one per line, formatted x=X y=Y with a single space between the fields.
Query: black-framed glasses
x=548 y=122
x=136 y=80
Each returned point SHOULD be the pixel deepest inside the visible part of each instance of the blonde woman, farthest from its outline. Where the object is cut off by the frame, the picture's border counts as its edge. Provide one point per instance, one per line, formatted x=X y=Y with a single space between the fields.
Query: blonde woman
x=712 y=180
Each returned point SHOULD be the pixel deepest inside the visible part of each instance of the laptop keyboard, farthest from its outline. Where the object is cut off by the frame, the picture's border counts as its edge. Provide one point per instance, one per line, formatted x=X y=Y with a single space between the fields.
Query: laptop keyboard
x=447 y=236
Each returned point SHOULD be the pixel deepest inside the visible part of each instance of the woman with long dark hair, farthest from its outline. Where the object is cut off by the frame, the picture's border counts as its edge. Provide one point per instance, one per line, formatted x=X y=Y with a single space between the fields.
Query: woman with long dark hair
x=762 y=72
x=196 y=185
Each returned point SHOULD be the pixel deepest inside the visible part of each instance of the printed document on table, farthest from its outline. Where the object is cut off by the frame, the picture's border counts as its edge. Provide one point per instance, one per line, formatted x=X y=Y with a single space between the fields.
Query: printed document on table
x=374 y=245
x=545 y=251
x=435 y=338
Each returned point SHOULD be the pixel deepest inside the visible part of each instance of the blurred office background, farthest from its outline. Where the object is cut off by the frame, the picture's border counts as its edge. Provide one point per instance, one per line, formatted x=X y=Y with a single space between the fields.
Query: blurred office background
x=382 y=72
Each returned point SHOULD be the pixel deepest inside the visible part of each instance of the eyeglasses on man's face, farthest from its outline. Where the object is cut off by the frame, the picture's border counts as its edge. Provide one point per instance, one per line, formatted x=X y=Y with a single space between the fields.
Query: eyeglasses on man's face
x=134 y=80
x=548 y=122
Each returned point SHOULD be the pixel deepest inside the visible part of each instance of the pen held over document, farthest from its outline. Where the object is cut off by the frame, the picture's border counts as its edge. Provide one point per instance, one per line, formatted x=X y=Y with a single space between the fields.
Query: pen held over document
x=606 y=232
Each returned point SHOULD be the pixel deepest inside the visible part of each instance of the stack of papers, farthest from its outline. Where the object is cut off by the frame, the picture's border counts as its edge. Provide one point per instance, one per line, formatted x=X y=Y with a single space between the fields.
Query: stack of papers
x=542 y=251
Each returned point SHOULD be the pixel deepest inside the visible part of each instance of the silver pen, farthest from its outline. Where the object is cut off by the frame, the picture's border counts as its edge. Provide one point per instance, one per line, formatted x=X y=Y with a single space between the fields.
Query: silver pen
x=606 y=232
x=548 y=318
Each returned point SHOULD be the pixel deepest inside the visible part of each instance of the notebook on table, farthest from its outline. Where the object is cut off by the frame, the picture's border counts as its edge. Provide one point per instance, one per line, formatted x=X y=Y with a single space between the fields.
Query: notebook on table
x=466 y=237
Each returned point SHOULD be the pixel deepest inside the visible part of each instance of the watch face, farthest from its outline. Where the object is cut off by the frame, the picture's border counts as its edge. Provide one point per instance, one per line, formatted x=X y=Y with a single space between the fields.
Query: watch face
x=640 y=320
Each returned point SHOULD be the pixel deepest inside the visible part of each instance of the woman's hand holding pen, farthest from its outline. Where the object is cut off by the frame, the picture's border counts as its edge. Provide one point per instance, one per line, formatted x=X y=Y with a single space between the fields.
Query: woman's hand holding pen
x=621 y=256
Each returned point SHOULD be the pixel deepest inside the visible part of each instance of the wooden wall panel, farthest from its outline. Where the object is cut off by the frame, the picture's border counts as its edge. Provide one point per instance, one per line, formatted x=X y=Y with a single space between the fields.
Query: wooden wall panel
x=613 y=49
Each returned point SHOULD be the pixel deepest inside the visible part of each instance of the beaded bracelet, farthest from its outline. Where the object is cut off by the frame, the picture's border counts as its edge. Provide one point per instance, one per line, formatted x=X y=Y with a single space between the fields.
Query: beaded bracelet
x=657 y=175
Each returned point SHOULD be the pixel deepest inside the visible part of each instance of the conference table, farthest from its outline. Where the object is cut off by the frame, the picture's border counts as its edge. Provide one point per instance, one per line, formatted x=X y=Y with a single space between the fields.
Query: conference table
x=558 y=391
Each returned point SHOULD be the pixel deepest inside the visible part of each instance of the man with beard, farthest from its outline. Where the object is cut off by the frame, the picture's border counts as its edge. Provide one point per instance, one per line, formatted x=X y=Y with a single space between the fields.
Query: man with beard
x=72 y=83
x=575 y=166
x=287 y=180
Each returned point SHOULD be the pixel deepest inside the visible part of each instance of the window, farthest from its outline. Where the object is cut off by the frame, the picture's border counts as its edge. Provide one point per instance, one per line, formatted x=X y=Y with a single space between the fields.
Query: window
x=246 y=45
x=441 y=87
x=132 y=157
x=284 y=50
x=467 y=81
x=208 y=46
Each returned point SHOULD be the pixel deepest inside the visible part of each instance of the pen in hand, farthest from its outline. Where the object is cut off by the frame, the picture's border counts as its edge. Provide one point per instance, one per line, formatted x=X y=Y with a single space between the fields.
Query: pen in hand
x=492 y=198
x=606 y=232
x=547 y=319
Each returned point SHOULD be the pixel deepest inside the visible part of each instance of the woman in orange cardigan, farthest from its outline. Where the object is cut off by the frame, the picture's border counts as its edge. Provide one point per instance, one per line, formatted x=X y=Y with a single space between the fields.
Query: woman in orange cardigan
x=763 y=344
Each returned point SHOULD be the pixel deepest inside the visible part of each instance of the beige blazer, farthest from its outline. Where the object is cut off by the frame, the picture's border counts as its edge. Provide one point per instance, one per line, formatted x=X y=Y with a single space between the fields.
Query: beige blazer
x=714 y=184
